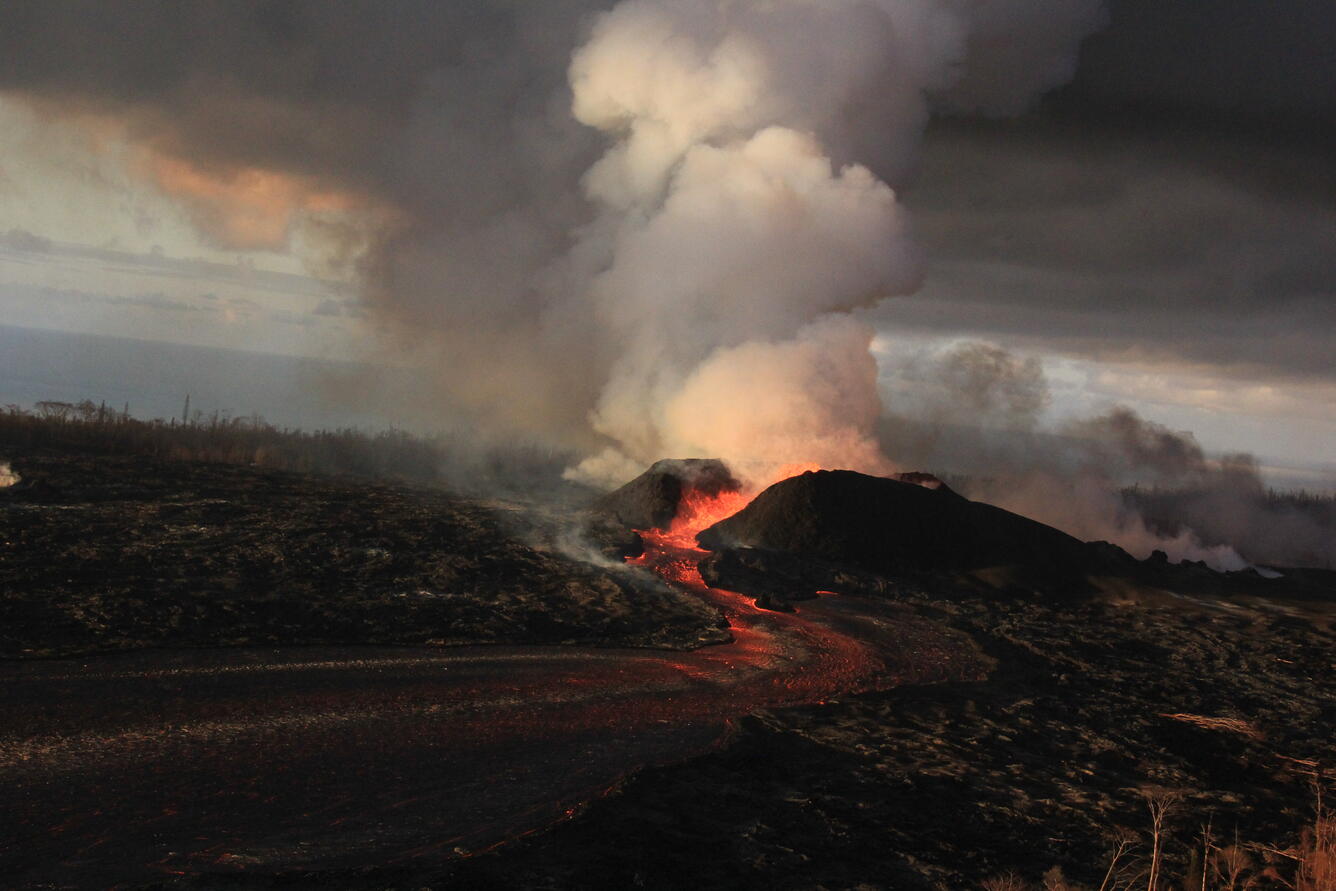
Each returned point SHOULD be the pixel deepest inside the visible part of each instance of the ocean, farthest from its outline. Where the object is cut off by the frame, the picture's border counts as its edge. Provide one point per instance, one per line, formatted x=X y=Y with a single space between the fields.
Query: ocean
x=153 y=379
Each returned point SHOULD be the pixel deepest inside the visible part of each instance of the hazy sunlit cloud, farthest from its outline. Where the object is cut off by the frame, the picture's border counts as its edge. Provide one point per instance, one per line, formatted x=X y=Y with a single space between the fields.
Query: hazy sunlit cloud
x=594 y=213
x=74 y=288
x=1290 y=425
x=84 y=180
x=247 y=209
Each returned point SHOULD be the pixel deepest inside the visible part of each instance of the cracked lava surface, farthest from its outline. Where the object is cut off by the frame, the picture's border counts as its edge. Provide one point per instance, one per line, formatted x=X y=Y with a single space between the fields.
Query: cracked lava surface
x=137 y=767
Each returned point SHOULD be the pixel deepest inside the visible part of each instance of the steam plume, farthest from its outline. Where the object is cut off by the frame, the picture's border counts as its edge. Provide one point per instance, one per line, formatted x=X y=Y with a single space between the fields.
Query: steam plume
x=733 y=225
x=590 y=219
x=976 y=409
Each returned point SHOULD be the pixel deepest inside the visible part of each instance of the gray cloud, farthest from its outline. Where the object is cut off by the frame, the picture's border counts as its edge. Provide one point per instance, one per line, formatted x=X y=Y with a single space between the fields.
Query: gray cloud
x=23 y=241
x=1264 y=65
x=155 y=300
x=577 y=258
x=1161 y=248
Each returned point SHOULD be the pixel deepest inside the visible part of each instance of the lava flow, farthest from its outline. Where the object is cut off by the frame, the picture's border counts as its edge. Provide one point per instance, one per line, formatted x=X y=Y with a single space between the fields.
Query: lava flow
x=824 y=651
x=271 y=760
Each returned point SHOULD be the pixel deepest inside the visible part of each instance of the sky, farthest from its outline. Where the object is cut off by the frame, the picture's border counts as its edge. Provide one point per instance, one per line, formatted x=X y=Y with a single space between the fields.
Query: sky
x=562 y=215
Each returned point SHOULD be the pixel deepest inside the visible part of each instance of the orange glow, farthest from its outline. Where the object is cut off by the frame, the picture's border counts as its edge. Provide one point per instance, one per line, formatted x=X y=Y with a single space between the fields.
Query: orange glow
x=247 y=208
x=674 y=554
x=698 y=511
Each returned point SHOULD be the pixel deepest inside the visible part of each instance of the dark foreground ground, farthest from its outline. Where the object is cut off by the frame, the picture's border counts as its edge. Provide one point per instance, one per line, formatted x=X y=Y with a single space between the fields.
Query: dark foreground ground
x=1225 y=707
x=113 y=553
x=1049 y=762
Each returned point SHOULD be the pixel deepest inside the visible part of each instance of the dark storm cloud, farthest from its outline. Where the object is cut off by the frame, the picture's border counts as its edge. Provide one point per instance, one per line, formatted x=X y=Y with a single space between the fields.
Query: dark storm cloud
x=1176 y=203
x=1151 y=243
x=1257 y=62
x=307 y=85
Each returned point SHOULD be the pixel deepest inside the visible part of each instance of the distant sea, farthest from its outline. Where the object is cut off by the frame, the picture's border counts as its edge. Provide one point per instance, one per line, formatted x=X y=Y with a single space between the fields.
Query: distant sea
x=154 y=378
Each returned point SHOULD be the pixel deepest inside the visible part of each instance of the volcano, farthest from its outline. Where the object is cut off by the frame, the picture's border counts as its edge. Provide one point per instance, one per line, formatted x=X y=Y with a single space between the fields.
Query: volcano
x=892 y=526
x=842 y=531
x=656 y=497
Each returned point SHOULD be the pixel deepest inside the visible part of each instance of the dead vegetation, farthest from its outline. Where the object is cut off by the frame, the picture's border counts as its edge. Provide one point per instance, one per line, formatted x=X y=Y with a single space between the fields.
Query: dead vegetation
x=1213 y=863
x=453 y=458
x=95 y=428
x=1225 y=725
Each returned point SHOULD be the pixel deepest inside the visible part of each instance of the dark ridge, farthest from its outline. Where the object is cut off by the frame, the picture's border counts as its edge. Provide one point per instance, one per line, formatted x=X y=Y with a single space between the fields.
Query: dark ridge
x=891 y=526
x=650 y=501
x=927 y=481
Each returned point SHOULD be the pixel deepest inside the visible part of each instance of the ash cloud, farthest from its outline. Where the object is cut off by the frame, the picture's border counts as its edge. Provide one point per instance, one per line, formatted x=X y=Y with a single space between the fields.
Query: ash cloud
x=590 y=215
x=977 y=410
x=731 y=220
x=656 y=227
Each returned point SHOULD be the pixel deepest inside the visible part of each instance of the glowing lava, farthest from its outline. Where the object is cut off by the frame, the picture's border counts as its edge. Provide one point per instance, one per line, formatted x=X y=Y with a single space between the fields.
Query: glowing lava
x=789 y=658
x=673 y=553
x=355 y=755
x=665 y=550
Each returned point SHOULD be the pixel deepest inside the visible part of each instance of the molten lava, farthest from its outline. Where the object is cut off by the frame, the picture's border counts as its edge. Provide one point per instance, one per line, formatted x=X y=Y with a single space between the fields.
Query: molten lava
x=356 y=754
x=674 y=554
x=835 y=646
x=697 y=512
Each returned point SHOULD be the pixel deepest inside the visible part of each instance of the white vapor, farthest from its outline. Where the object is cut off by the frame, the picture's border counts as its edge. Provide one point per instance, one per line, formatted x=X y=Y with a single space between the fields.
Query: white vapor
x=584 y=220
x=737 y=208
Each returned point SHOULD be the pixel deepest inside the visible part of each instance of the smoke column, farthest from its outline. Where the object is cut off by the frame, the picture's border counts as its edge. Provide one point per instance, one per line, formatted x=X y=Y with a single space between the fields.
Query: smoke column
x=628 y=232
x=977 y=413
x=737 y=211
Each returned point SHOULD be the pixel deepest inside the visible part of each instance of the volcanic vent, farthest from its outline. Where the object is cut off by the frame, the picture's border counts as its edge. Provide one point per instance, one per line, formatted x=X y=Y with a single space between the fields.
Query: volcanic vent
x=827 y=530
x=670 y=488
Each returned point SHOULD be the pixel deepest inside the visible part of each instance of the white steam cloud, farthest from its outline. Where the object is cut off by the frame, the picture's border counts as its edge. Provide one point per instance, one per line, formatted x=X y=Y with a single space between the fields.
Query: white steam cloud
x=629 y=231
x=737 y=208
x=977 y=413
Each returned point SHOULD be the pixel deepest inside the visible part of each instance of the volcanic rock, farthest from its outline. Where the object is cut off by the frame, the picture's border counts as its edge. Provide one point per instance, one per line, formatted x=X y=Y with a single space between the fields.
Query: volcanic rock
x=890 y=526
x=651 y=500
x=926 y=480
x=776 y=579
x=610 y=538
x=128 y=552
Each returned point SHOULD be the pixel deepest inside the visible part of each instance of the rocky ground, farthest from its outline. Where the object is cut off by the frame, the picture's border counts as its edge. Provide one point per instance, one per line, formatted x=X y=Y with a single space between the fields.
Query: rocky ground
x=1093 y=707
x=106 y=553
x=1153 y=686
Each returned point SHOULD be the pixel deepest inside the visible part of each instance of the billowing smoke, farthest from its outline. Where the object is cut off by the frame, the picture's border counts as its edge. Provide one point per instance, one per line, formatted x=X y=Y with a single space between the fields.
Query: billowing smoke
x=734 y=217
x=633 y=231
x=977 y=411
x=1089 y=507
x=948 y=405
x=636 y=230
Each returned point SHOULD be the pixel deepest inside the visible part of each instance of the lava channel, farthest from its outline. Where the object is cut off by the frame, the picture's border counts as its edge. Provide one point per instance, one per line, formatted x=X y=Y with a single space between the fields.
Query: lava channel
x=123 y=768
